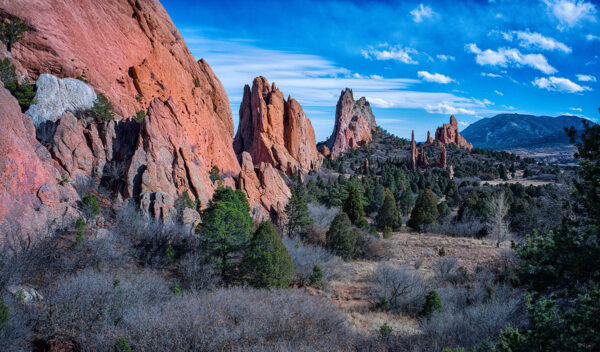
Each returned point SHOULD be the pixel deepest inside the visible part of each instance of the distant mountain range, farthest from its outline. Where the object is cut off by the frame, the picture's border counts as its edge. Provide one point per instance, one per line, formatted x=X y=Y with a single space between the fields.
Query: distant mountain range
x=508 y=131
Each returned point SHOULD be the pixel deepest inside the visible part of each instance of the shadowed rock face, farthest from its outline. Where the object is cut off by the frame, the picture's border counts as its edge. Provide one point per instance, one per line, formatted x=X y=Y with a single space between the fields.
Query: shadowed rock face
x=448 y=133
x=275 y=131
x=354 y=124
x=30 y=192
x=130 y=51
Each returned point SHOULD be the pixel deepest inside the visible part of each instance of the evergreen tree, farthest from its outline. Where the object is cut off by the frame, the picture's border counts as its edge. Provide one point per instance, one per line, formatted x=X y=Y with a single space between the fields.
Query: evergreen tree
x=341 y=236
x=443 y=212
x=388 y=214
x=226 y=229
x=297 y=213
x=425 y=211
x=267 y=262
x=353 y=205
x=433 y=303
x=407 y=201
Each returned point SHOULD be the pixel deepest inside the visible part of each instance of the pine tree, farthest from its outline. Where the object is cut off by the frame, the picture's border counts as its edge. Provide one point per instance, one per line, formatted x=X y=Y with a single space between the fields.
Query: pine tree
x=433 y=303
x=297 y=213
x=425 y=211
x=407 y=201
x=226 y=229
x=341 y=236
x=267 y=262
x=353 y=205
x=388 y=214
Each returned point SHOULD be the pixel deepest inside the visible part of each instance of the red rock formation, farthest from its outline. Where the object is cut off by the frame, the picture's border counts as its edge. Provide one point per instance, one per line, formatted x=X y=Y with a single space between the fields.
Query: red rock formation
x=448 y=133
x=266 y=190
x=412 y=161
x=422 y=158
x=354 y=124
x=275 y=131
x=30 y=192
x=429 y=139
x=443 y=163
x=131 y=52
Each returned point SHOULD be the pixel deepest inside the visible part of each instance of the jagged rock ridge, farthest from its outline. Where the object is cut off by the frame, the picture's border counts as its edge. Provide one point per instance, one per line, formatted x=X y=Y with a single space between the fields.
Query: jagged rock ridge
x=354 y=125
x=448 y=133
x=275 y=131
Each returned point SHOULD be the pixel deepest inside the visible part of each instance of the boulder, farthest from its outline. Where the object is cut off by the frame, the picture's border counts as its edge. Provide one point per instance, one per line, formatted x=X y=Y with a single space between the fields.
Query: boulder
x=354 y=124
x=274 y=130
x=56 y=96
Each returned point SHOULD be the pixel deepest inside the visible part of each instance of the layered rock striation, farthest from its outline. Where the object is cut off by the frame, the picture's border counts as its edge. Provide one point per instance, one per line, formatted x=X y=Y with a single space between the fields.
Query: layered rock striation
x=354 y=125
x=274 y=130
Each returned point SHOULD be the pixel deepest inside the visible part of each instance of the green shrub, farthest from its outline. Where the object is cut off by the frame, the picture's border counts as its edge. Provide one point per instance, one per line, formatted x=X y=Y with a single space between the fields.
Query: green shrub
x=176 y=289
x=316 y=277
x=80 y=78
x=122 y=345
x=384 y=304
x=297 y=213
x=4 y=313
x=267 y=262
x=388 y=214
x=8 y=73
x=80 y=226
x=456 y=349
x=90 y=205
x=433 y=303
x=103 y=109
x=24 y=92
x=185 y=201
x=215 y=174
x=442 y=252
x=341 y=237
x=170 y=253
x=385 y=331
x=139 y=116
x=12 y=31
x=196 y=82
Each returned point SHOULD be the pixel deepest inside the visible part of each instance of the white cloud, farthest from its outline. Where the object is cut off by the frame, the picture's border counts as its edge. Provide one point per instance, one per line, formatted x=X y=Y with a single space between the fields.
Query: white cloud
x=434 y=77
x=570 y=12
x=508 y=56
x=576 y=109
x=559 y=84
x=385 y=52
x=499 y=93
x=591 y=37
x=421 y=12
x=443 y=57
x=534 y=40
x=586 y=78
x=489 y=74
x=447 y=109
x=508 y=107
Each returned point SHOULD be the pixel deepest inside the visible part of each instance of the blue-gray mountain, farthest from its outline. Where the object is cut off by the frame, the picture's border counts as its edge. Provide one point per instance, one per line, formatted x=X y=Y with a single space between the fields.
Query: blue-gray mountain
x=507 y=131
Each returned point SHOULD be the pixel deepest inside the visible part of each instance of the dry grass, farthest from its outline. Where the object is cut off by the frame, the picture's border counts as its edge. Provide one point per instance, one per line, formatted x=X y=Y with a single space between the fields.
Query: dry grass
x=350 y=290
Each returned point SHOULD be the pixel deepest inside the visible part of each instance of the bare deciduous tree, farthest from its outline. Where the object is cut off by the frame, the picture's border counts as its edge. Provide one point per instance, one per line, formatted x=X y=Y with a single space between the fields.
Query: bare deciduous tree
x=498 y=223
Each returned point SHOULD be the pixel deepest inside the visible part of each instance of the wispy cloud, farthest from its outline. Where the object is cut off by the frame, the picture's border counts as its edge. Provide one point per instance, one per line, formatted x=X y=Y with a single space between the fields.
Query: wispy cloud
x=591 y=37
x=533 y=40
x=387 y=52
x=434 y=77
x=489 y=74
x=571 y=12
x=586 y=78
x=447 y=109
x=443 y=57
x=499 y=93
x=505 y=57
x=576 y=109
x=559 y=84
x=421 y=12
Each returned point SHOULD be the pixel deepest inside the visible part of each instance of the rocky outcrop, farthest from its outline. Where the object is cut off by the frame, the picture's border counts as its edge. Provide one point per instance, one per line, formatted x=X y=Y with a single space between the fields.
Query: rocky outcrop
x=267 y=192
x=430 y=139
x=275 y=131
x=448 y=134
x=131 y=52
x=56 y=96
x=418 y=157
x=354 y=124
x=412 y=161
x=422 y=158
x=31 y=195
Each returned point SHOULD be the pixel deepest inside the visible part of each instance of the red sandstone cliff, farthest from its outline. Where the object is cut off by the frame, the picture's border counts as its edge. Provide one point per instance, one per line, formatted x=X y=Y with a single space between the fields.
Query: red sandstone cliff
x=354 y=125
x=448 y=133
x=275 y=131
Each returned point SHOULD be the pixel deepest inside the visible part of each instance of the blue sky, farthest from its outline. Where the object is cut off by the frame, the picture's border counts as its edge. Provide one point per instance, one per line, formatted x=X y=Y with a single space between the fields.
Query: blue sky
x=416 y=62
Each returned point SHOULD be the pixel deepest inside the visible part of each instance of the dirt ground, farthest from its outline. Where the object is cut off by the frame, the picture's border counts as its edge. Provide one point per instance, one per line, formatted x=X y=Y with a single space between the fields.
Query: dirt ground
x=350 y=291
